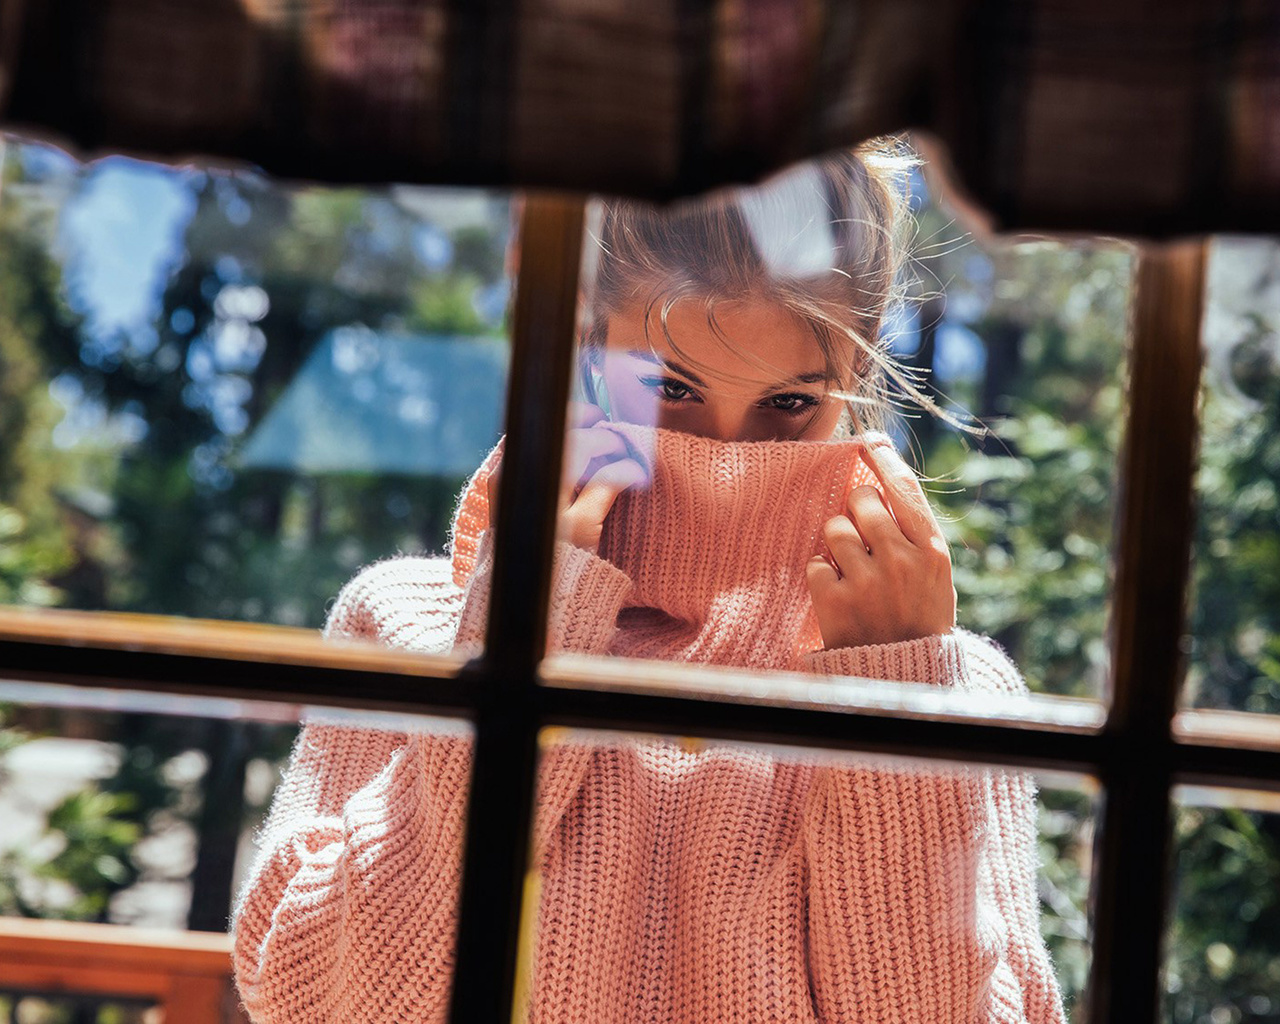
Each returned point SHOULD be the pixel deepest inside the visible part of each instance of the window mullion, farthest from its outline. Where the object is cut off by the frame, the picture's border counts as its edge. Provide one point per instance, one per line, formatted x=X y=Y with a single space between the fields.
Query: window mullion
x=1155 y=527
x=502 y=776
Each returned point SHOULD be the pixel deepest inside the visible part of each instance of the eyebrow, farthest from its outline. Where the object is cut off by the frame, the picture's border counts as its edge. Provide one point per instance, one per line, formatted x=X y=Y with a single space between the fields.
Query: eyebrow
x=652 y=357
x=814 y=377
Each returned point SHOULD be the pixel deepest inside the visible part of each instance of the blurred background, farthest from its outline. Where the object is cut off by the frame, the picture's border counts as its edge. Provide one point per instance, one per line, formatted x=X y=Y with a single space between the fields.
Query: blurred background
x=221 y=396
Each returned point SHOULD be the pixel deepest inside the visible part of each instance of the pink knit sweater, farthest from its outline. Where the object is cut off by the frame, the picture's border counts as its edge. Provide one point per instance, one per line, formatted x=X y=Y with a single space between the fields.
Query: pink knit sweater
x=679 y=883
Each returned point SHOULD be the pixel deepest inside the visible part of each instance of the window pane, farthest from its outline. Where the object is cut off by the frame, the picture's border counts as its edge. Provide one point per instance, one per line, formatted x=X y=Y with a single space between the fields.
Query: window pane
x=36 y=1010
x=1223 y=956
x=223 y=395
x=737 y=356
x=167 y=812
x=1234 y=645
x=710 y=880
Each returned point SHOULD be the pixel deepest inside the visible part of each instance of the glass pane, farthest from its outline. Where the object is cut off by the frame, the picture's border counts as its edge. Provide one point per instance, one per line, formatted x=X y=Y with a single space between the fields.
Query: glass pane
x=710 y=880
x=1223 y=958
x=35 y=1010
x=1234 y=646
x=758 y=370
x=167 y=812
x=223 y=395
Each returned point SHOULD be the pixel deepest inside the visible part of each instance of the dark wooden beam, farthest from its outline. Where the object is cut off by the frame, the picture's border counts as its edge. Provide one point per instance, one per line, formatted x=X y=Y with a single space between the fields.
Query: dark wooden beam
x=506 y=728
x=1154 y=545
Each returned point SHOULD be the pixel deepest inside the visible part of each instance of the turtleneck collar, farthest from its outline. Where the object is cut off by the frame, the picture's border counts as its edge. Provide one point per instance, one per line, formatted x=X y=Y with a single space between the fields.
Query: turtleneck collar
x=715 y=545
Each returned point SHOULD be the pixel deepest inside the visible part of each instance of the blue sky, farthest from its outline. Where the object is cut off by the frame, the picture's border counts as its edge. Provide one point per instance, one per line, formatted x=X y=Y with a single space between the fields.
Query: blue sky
x=122 y=232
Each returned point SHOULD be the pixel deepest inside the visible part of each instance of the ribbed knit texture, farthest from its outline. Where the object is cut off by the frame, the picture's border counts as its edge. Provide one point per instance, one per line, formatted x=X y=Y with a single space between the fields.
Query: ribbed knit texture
x=680 y=882
x=711 y=554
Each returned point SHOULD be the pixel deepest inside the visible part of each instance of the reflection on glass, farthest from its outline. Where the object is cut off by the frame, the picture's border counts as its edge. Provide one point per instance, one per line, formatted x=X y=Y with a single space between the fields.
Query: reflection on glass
x=141 y=809
x=1223 y=947
x=1066 y=811
x=706 y=881
x=1234 y=658
x=221 y=396
x=129 y=812
x=39 y=1010
x=737 y=487
x=144 y=810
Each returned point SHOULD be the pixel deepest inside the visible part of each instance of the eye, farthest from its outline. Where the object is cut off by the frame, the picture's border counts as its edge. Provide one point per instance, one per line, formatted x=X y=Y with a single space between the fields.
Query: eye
x=793 y=403
x=669 y=389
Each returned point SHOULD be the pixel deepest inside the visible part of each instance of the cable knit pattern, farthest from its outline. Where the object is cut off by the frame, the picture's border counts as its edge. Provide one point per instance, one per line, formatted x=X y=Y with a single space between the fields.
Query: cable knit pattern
x=680 y=882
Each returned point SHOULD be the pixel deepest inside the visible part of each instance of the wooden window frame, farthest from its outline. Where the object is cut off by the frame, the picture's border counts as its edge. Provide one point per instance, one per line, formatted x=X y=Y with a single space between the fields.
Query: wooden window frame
x=1141 y=750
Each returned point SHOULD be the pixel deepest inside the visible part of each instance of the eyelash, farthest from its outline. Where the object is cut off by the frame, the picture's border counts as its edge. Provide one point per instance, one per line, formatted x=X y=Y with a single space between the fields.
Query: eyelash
x=803 y=403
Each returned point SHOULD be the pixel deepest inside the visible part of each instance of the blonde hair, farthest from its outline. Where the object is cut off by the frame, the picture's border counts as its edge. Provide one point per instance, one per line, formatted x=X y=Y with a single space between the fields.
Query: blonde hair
x=825 y=240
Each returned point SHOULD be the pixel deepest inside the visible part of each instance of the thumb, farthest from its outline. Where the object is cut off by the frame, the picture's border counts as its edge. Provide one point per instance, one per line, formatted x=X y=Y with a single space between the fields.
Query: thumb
x=591 y=507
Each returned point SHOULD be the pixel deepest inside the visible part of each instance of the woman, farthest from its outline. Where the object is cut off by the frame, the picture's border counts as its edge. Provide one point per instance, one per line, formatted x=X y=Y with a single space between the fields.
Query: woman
x=711 y=514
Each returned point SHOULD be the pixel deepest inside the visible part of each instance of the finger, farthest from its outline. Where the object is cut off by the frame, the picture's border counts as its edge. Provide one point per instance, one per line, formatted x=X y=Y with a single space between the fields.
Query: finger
x=821 y=576
x=597 y=497
x=847 y=547
x=902 y=491
x=584 y=414
x=585 y=447
x=871 y=516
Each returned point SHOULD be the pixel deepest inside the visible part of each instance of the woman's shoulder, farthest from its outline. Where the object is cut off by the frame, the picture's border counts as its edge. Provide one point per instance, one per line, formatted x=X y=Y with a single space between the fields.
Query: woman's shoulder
x=407 y=601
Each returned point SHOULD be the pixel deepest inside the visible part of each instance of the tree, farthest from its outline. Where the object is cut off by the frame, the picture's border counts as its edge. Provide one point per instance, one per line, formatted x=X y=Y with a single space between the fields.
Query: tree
x=35 y=543
x=1040 y=332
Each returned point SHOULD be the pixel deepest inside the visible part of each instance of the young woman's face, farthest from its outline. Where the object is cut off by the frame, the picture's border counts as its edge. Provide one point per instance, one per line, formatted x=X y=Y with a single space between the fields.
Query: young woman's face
x=769 y=382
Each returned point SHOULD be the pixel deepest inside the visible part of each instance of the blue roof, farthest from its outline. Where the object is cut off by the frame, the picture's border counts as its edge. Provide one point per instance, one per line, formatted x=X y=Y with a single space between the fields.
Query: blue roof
x=426 y=405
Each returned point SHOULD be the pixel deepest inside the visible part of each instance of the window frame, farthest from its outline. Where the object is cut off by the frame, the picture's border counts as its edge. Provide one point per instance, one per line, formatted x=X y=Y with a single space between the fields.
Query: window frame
x=1142 y=749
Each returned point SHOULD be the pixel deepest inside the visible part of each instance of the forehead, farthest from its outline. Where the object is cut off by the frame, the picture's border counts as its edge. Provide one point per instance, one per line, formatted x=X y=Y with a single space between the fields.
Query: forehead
x=752 y=339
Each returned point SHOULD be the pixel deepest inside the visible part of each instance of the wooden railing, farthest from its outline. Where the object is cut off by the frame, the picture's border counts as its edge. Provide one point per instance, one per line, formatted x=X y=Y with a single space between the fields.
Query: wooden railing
x=186 y=974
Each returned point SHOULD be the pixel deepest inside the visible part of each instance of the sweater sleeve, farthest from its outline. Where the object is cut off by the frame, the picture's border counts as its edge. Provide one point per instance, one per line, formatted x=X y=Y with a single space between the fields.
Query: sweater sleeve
x=1024 y=986
x=922 y=879
x=587 y=593
x=938 y=660
x=348 y=912
x=350 y=909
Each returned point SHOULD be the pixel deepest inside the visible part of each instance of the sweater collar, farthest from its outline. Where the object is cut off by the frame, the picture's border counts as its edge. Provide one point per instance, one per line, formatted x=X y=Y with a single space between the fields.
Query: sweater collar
x=721 y=534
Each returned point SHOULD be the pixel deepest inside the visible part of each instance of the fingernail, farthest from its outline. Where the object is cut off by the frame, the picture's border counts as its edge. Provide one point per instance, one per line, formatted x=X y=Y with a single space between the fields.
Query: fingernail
x=876 y=438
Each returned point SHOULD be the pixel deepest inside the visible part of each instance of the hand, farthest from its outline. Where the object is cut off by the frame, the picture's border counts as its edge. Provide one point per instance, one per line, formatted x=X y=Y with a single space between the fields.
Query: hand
x=888 y=574
x=597 y=468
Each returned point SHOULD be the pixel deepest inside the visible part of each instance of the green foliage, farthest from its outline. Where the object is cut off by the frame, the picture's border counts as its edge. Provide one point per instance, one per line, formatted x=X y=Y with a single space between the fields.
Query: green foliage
x=35 y=541
x=1224 y=948
x=94 y=839
x=28 y=561
x=11 y=738
x=1028 y=510
x=445 y=304
x=1235 y=624
x=97 y=838
x=188 y=533
x=1065 y=836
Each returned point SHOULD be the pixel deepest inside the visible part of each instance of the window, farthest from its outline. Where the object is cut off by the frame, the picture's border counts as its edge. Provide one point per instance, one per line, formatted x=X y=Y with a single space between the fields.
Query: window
x=1136 y=755
x=236 y=392
x=1234 y=627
